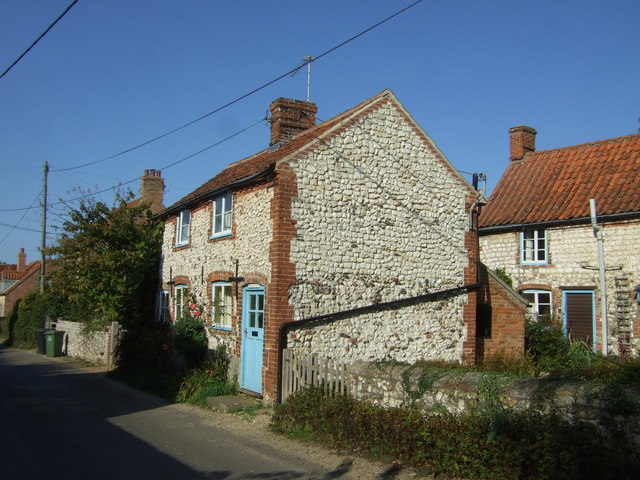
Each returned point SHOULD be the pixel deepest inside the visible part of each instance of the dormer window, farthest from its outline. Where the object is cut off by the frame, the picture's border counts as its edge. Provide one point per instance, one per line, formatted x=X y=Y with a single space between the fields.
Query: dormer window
x=182 y=227
x=221 y=221
x=533 y=247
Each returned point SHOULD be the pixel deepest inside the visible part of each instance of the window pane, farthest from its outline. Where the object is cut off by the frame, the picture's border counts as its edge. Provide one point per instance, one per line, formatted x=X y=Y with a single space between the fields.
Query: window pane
x=217 y=227
x=259 y=320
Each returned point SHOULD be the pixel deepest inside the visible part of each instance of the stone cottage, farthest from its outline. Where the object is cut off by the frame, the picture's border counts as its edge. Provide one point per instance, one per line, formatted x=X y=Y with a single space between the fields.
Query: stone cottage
x=537 y=227
x=16 y=280
x=354 y=238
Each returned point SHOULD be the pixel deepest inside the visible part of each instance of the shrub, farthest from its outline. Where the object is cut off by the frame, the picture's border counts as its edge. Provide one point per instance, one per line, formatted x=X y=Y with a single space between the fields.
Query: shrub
x=31 y=315
x=190 y=339
x=523 y=445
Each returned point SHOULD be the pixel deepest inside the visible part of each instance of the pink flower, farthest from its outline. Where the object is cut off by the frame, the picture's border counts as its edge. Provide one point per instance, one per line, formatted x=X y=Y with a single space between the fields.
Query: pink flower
x=192 y=306
x=197 y=314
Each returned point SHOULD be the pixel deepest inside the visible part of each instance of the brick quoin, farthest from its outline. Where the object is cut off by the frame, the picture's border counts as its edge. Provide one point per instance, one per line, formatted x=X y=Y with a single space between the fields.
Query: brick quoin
x=469 y=311
x=277 y=305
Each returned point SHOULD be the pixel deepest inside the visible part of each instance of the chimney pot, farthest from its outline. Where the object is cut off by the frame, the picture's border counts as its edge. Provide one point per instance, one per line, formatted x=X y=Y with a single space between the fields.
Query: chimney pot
x=523 y=141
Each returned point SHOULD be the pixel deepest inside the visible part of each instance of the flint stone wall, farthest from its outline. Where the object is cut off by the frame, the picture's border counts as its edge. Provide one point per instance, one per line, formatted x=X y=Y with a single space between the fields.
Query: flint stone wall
x=380 y=216
x=400 y=386
x=94 y=347
x=571 y=249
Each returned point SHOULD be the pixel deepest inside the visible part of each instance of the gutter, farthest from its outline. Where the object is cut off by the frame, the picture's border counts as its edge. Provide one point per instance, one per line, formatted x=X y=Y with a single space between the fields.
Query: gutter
x=282 y=331
x=216 y=192
x=573 y=221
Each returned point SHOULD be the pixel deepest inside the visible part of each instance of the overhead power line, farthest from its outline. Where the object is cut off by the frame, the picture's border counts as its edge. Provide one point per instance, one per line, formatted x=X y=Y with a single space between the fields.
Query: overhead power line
x=39 y=38
x=113 y=187
x=16 y=227
x=308 y=59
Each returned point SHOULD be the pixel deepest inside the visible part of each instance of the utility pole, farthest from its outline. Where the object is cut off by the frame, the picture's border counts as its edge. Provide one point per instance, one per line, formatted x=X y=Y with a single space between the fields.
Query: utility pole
x=43 y=240
x=597 y=231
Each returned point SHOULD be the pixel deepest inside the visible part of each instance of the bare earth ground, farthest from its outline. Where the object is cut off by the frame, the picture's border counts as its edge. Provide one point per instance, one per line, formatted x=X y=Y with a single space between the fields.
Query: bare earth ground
x=256 y=426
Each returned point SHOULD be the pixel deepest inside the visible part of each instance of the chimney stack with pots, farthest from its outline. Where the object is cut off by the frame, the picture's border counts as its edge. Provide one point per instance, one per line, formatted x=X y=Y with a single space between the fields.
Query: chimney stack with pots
x=289 y=118
x=523 y=141
x=152 y=190
x=22 y=261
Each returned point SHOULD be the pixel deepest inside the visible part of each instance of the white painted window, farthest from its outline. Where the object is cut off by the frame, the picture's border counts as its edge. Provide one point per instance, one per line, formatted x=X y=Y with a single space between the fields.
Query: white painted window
x=222 y=208
x=540 y=305
x=163 y=306
x=182 y=227
x=533 y=246
x=221 y=308
x=179 y=301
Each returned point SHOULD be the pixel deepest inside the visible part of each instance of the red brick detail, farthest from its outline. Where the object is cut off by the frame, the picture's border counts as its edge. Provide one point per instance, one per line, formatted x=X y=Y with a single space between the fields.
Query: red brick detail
x=469 y=311
x=277 y=306
x=523 y=141
x=508 y=316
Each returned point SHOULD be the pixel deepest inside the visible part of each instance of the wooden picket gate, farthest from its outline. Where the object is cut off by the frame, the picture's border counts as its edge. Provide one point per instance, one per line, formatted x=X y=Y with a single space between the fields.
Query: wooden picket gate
x=304 y=370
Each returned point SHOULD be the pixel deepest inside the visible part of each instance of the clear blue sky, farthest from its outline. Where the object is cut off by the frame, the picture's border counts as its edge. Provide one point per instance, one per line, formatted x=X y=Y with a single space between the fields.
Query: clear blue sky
x=114 y=73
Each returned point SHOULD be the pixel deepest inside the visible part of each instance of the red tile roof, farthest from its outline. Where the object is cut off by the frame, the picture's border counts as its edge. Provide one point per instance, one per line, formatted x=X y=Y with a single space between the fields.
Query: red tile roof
x=267 y=159
x=553 y=185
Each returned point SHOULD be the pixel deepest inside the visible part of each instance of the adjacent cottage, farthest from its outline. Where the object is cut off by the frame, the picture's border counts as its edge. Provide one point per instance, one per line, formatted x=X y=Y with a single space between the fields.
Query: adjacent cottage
x=355 y=239
x=537 y=227
x=16 y=280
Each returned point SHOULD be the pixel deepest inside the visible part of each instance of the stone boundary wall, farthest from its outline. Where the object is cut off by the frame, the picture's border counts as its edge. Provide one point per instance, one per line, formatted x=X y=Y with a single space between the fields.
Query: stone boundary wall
x=458 y=392
x=94 y=347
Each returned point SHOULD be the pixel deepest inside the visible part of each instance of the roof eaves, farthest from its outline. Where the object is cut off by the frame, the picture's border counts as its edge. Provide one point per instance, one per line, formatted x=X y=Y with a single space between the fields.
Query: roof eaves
x=552 y=223
x=212 y=193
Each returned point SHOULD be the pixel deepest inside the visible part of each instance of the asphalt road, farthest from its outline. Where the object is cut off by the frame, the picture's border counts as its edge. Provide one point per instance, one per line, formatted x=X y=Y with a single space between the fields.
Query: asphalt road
x=61 y=421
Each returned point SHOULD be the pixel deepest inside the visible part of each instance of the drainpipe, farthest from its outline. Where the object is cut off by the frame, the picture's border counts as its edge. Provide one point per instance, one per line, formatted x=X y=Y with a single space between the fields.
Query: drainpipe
x=597 y=231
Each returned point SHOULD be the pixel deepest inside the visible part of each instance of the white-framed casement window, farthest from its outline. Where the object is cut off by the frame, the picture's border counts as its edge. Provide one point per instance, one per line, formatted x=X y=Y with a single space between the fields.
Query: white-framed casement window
x=179 y=301
x=540 y=306
x=163 y=306
x=533 y=246
x=221 y=221
x=183 y=220
x=221 y=306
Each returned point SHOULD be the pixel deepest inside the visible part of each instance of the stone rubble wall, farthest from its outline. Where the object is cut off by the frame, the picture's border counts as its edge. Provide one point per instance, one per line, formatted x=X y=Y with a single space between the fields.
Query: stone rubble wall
x=94 y=347
x=571 y=248
x=399 y=386
x=379 y=217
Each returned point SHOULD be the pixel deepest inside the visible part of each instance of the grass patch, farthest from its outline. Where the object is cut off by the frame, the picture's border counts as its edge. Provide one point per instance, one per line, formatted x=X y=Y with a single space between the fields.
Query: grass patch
x=488 y=444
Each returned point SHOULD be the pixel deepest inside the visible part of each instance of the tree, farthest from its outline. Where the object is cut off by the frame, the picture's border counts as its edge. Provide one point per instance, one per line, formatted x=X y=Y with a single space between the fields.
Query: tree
x=106 y=263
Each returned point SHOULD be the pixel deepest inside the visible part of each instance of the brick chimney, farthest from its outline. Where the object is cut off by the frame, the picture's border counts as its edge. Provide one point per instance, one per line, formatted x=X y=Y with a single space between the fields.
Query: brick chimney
x=289 y=118
x=523 y=141
x=152 y=190
x=22 y=261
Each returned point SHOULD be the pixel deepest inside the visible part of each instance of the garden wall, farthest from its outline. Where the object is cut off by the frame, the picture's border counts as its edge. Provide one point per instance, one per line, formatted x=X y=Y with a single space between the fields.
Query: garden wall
x=94 y=347
x=612 y=407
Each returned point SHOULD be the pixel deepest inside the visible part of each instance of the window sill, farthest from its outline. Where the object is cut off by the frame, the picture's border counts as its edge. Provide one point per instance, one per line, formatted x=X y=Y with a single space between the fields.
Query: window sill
x=180 y=245
x=534 y=264
x=220 y=235
x=220 y=328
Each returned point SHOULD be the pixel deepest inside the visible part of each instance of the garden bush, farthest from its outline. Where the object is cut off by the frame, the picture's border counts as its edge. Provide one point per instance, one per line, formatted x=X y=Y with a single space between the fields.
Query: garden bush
x=522 y=445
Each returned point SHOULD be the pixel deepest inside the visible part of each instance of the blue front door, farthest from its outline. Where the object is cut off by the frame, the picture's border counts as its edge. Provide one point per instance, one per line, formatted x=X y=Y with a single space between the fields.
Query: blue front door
x=252 y=339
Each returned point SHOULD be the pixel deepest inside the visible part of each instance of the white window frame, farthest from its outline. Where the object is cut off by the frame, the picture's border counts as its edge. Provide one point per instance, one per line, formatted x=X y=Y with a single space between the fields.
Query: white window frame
x=534 y=309
x=180 y=293
x=183 y=222
x=163 y=306
x=221 y=217
x=221 y=312
x=530 y=251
